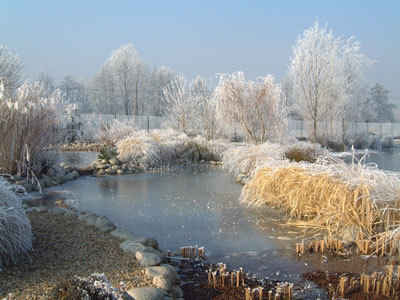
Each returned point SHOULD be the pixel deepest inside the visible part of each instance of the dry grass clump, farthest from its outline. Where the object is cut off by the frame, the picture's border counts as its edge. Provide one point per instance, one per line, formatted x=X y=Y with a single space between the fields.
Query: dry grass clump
x=28 y=125
x=15 y=228
x=304 y=151
x=330 y=195
x=244 y=159
x=198 y=148
x=166 y=147
x=140 y=150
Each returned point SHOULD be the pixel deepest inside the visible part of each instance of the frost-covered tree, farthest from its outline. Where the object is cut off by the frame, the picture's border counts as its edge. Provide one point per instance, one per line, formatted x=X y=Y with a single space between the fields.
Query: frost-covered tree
x=383 y=107
x=205 y=106
x=75 y=92
x=103 y=93
x=328 y=76
x=315 y=74
x=127 y=67
x=47 y=81
x=158 y=80
x=178 y=103
x=256 y=105
x=10 y=70
x=352 y=105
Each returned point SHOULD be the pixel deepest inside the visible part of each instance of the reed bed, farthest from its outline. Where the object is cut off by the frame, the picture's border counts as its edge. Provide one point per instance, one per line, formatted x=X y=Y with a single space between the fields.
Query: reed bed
x=329 y=196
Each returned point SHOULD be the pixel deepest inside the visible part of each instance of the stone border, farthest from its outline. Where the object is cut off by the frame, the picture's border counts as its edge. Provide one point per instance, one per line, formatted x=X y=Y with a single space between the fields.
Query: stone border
x=145 y=250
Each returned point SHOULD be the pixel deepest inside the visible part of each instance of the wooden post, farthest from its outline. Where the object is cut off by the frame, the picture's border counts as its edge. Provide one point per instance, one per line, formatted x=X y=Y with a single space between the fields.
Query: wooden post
x=260 y=293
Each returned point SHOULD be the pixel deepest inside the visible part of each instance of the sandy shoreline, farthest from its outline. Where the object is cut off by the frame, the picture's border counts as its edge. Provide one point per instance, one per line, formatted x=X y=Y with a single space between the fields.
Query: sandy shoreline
x=64 y=247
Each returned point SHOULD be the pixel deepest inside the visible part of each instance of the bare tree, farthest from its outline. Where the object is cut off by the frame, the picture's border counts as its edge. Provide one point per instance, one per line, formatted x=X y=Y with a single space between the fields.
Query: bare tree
x=205 y=106
x=178 y=103
x=256 y=106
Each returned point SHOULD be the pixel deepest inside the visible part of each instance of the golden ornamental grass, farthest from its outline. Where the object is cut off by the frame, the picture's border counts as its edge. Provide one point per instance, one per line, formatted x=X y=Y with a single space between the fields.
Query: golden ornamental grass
x=337 y=199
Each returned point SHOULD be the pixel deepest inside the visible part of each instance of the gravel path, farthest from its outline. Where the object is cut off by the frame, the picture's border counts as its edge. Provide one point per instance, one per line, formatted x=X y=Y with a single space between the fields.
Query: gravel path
x=64 y=247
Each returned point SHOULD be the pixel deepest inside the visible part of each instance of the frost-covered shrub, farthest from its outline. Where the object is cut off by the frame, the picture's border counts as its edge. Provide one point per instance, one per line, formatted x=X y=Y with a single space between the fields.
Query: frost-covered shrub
x=199 y=148
x=116 y=131
x=28 y=124
x=15 y=228
x=304 y=151
x=244 y=159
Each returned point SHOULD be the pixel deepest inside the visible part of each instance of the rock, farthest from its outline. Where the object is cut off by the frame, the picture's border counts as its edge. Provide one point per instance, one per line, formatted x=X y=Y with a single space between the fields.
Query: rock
x=82 y=217
x=47 y=182
x=131 y=247
x=111 y=171
x=32 y=209
x=123 y=234
x=35 y=188
x=100 y=172
x=176 y=292
x=25 y=206
x=164 y=270
x=56 y=210
x=91 y=219
x=114 y=161
x=86 y=170
x=72 y=213
x=147 y=293
x=152 y=242
x=162 y=282
x=69 y=177
x=120 y=172
x=147 y=259
x=59 y=179
x=104 y=224
x=75 y=174
x=104 y=161
x=62 y=165
x=116 y=167
x=101 y=166
x=28 y=187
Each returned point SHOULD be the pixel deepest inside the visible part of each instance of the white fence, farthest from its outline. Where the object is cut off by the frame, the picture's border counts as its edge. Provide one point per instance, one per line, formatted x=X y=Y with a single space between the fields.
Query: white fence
x=297 y=128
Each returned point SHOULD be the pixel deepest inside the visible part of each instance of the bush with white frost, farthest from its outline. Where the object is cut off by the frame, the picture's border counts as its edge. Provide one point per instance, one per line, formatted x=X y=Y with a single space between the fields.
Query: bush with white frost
x=15 y=228
x=165 y=147
x=116 y=131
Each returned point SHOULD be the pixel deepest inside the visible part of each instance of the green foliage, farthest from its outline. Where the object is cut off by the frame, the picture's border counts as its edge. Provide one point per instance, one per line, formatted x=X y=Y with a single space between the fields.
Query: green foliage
x=107 y=152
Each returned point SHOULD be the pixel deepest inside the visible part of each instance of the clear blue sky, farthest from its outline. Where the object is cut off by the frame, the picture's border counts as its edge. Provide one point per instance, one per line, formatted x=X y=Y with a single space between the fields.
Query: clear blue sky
x=195 y=37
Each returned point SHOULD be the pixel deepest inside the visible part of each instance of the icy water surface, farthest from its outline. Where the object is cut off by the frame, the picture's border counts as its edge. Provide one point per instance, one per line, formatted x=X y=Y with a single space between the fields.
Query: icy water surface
x=200 y=206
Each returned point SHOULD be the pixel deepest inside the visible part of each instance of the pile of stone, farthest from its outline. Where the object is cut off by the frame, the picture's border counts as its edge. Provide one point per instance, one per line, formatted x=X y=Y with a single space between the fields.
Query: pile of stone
x=110 y=167
x=32 y=184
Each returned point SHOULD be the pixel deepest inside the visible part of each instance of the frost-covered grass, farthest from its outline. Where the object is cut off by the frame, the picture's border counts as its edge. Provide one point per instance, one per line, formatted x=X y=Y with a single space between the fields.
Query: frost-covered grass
x=247 y=158
x=28 y=124
x=165 y=147
x=15 y=228
x=329 y=195
x=244 y=159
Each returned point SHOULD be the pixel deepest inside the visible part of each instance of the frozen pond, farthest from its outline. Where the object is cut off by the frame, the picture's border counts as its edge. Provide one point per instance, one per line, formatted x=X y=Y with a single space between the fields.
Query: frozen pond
x=200 y=206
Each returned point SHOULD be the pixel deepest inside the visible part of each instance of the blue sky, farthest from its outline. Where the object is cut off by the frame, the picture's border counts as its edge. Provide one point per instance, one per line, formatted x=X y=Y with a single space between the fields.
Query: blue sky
x=194 y=37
